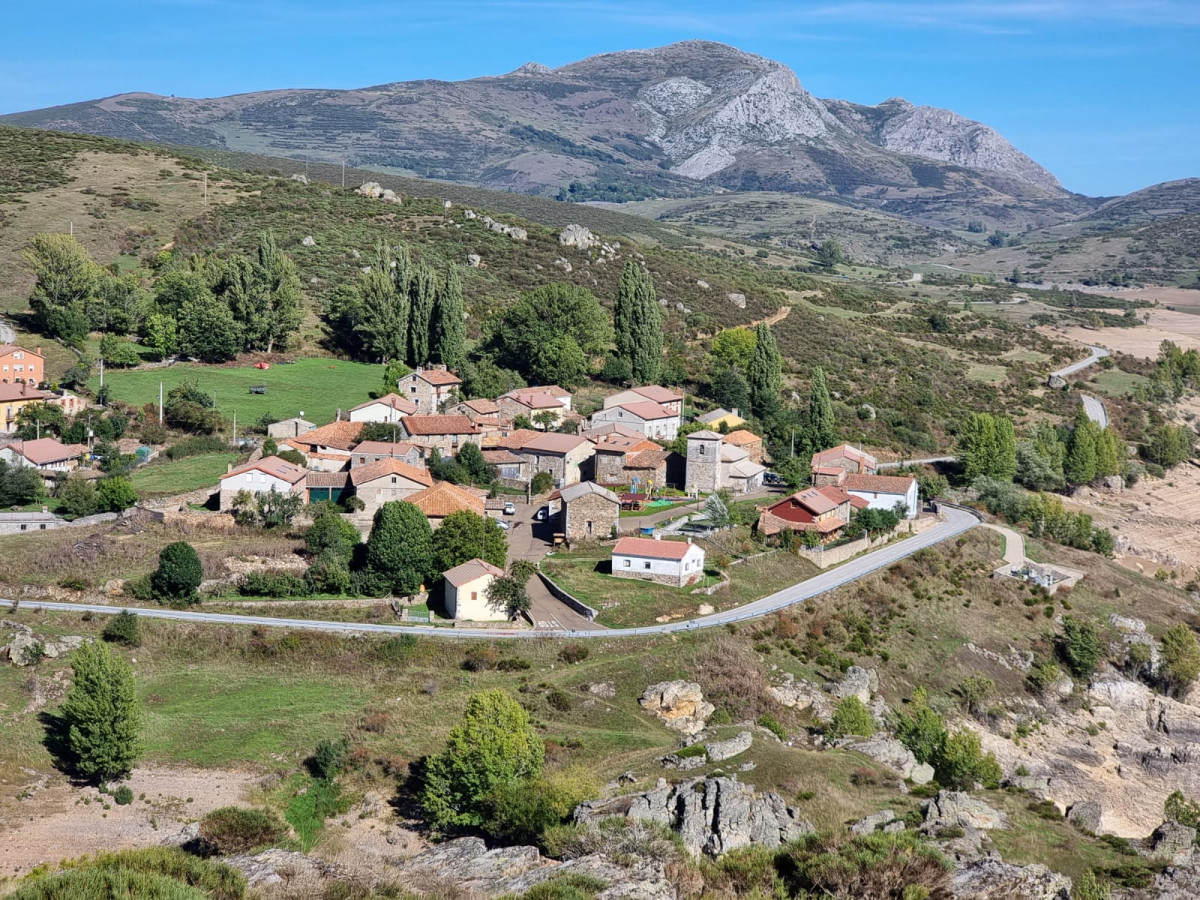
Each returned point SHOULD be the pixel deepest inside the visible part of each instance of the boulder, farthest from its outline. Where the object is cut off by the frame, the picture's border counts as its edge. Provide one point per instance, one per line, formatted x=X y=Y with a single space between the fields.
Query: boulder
x=894 y=755
x=300 y=177
x=1174 y=842
x=1127 y=624
x=859 y=682
x=702 y=284
x=684 y=763
x=712 y=815
x=25 y=648
x=577 y=236
x=1057 y=382
x=738 y=300
x=1086 y=814
x=884 y=820
x=371 y=189
x=991 y=879
x=958 y=809
x=473 y=260
x=720 y=750
x=272 y=867
x=801 y=695
x=1113 y=483
x=603 y=689
x=564 y=264
x=680 y=704
x=309 y=241
x=1037 y=786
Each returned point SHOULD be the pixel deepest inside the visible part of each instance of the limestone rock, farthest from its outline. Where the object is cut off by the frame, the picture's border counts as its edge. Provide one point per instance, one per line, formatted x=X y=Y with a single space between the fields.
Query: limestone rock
x=300 y=177
x=859 y=682
x=1113 y=483
x=712 y=815
x=894 y=755
x=577 y=236
x=473 y=260
x=801 y=695
x=882 y=820
x=958 y=809
x=1057 y=382
x=991 y=879
x=720 y=750
x=372 y=189
x=680 y=704
x=603 y=689
x=1174 y=842
x=273 y=867
x=702 y=284
x=309 y=241
x=1127 y=624
x=738 y=300
x=564 y=264
x=25 y=648
x=1037 y=786
x=684 y=763
x=1086 y=814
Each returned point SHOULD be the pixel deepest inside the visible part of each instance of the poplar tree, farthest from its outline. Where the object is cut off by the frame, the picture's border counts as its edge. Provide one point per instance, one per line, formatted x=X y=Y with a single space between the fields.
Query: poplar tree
x=383 y=323
x=766 y=371
x=450 y=333
x=278 y=283
x=637 y=321
x=821 y=425
x=423 y=297
x=988 y=446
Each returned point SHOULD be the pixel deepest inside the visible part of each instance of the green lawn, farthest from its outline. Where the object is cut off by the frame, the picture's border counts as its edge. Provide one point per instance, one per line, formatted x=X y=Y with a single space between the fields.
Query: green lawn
x=319 y=387
x=1115 y=383
x=177 y=476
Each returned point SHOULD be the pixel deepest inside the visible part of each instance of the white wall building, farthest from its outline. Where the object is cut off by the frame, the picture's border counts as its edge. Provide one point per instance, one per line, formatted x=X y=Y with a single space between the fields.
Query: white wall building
x=884 y=491
x=466 y=591
x=676 y=563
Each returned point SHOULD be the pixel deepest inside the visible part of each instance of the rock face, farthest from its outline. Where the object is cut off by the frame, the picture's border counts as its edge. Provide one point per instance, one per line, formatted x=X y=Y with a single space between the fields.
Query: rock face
x=712 y=815
x=895 y=755
x=885 y=820
x=1086 y=814
x=1174 y=842
x=577 y=236
x=859 y=682
x=25 y=648
x=802 y=695
x=680 y=704
x=475 y=870
x=737 y=299
x=991 y=879
x=720 y=750
x=958 y=809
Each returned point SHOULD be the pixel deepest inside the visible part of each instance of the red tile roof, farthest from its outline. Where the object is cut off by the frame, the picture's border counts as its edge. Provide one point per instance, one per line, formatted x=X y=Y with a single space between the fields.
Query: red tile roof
x=434 y=425
x=516 y=439
x=382 y=468
x=46 y=451
x=646 y=410
x=553 y=442
x=649 y=548
x=6 y=349
x=534 y=399
x=742 y=438
x=23 y=391
x=483 y=406
x=274 y=466
x=394 y=401
x=445 y=498
x=646 y=459
x=437 y=377
x=338 y=435
x=384 y=448
x=880 y=484
x=501 y=455
x=845 y=451
x=471 y=570
x=657 y=393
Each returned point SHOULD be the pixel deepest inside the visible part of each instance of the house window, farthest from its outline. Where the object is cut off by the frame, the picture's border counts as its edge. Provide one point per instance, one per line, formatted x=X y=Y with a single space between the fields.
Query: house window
x=474 y=595
x=627 y=563
x=393 y=479
x=701 y=449
x=646 y=565
x=24 y=527
x=42 y=527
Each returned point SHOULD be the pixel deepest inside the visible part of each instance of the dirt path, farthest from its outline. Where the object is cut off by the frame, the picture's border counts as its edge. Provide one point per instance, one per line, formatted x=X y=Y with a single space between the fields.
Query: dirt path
x=57 y=821
x=774 y=319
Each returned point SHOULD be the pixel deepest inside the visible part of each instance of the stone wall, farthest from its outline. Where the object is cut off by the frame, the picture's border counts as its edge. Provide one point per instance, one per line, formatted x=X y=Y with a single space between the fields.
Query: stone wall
x=600 y=511
x=644 y=575
x=578 y=605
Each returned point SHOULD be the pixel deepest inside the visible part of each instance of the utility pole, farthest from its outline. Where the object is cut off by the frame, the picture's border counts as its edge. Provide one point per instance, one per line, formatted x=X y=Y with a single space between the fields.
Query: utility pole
x=235 y=428
x=343 y=174
x=206 y=189
x=71 y=227
x=160 y=411
x=102 y=371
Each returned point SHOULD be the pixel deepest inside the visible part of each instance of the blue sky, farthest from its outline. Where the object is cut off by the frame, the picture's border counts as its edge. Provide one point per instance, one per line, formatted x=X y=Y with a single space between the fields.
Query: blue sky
x=1104 y=93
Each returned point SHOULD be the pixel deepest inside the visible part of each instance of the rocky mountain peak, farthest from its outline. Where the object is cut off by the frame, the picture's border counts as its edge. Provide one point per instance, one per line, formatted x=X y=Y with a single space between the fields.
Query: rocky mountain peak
x=532 y=68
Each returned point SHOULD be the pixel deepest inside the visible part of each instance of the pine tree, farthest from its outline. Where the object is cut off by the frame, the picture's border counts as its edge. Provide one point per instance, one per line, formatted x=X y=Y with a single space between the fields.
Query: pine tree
x=102 y=714
x=766 y=371
x=1079 y=467
x=423 y=299
x=637 y=322
x=821 y=425
x=449 y=327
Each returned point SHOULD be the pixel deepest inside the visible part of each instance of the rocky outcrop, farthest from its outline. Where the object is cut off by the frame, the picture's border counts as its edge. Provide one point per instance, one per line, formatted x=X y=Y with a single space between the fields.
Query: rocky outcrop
x=737 y=299
x=858 y=682
x=801 y=695
x=513 y=231
x=894 y=755
x=25 y=647
x=727 y=749
x=474 y=870
x=1086 y=815
x=273 y=867
x=680 y=704
x=991 y=879
x=1173 y=842
x=577 y=236
x=885 y=820
x=958 y=809
x=711 y=815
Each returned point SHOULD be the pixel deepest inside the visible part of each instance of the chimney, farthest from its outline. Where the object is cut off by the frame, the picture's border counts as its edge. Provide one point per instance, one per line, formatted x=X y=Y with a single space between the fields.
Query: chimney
x=45 y=509
x=689 y=541
x=228 y=468
x=736 y=413
x=339 y=415
x=38 y=351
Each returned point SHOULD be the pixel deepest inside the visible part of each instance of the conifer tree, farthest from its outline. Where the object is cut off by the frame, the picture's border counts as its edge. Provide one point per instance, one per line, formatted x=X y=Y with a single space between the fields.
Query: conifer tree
x=637 y=322
x=450 y=342
x=102 y=714
x=766 y=371
x=821 y=425
x=1079 y=467
x=278 y=285
x=383 y=324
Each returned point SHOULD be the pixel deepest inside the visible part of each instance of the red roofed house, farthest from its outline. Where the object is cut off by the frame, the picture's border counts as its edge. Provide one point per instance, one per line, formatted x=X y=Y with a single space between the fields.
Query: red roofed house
x=621 y=459
x=44 y=454
x=652 y=420
x=677 y=563
x=13 y=397
x=261 y=476
x=510 y=468
x=475 y=409
x=445 y=498
x=562 y=395
x=825 y=510
x=20 y=365
x=430 y=389
x=372 y=451
x=378 y=482
x=844 y=458
x=531 y=403
x=885 y=491
x=748 y=441
x=327 y=449
x=389 y=408
x=564 y=456
x=671 y=401
x=466 y=592
x=446 y=434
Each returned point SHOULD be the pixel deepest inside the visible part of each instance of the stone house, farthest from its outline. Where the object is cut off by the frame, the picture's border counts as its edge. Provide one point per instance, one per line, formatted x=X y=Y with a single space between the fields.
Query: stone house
x=670 y=400
x=431 y=389
x=828 y=465
x=676 y=563
x=511 y=469
x=327 y=448
x=19 y=522
x=260 y=476
x=384 y=480
x=562 y=395
x=466 y=591
x=18 y=365
x=289 y=428
x=373 y=451
x=713 y=464
x=389 y=408
x=446 y=434
x=650 y=419
x=589 y=512
x=475 y=409
x=445 y=498
x=747 y=440
x=529 y=403
x=564 y=456
x=47 y=455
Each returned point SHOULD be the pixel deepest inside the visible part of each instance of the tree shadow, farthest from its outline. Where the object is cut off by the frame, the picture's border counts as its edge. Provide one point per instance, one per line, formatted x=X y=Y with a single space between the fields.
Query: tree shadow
x=603 y=567
x=57 y=743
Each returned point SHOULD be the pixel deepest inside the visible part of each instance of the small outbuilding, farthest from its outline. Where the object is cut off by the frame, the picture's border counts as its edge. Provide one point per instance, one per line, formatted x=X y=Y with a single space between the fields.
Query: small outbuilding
x=466 y=591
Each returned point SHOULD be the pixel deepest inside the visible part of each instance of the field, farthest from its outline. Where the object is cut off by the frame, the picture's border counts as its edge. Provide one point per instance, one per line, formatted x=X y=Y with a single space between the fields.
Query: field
x=177 y=476
x=318 y=387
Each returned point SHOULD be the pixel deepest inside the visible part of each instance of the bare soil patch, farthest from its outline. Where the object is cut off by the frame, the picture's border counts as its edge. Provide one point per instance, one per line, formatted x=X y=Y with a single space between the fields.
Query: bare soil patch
x=1163 y=325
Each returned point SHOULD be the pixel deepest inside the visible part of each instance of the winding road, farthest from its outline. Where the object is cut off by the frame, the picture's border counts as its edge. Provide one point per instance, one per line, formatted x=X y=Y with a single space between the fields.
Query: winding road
x=957 y=522
x=1097 y=354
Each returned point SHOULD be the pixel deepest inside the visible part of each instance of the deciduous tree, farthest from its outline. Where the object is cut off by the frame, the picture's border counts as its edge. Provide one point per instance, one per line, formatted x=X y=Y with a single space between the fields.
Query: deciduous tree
x=463 y=535
x=400 y=548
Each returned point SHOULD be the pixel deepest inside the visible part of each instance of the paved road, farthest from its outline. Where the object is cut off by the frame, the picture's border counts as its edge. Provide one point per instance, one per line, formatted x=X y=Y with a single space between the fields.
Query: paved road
x=957 y=522
x=1095 y=410
x=928 y=461
x=1098 y=353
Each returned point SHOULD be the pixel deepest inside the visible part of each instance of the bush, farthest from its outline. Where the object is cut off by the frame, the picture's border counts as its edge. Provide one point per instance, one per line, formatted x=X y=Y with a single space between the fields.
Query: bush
x=196 y=445
x=273 y=584
x=102 y=715
x=773 y=725
x=329 y=759
x=874 y=865
x=542 y=482
x=123 y=628
x=1180 y=659
x=559 y=701
x=573 y=653
x=1080 y=647
x=520 y=812
x=1178 y=808
x=851 y=718
x=123 y=795
x=234 y=830
x=178 y=575
x=962 y=763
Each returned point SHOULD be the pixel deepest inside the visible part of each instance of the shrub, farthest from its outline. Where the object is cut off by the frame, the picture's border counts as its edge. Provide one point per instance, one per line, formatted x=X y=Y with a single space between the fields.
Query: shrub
x=158 y=873
x=329 y=759
x=874 y=865
x=178 y=575
x=233 y=830
x=1180 y=658
x=962 y=763
x=773 y=725
x=514 y=664
x=573 y=653
x=521 y=811
x=541 y=483
x=1089 y=887
x=123 y=628
x=560 y=701
x=273 y=584
x=1178 y=808
x=394 y=650
x=196 y=445
x=102 y=715
x=123 y=795
x=1080 y=647
x=851 y=718
x=974 y=690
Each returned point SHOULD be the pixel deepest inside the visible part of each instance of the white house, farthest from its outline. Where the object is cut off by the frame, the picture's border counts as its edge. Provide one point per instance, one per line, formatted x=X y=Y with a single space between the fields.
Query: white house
x=389 y=408
x=676 y=563
x=648 y=418
x=43 y=454
x=884 y=491
x=668 y=399
x=260 y=476
x=466 y=591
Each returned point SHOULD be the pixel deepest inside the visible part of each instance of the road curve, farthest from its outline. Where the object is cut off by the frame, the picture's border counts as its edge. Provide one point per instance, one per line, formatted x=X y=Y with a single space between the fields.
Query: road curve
x=957 y=522
x=1098 y=353
x=1095 y=410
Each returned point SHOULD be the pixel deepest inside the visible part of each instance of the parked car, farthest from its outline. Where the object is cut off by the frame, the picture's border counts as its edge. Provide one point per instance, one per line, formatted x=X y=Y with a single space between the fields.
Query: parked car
x=510 y=509
x=771 y=478
x=502 y=524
